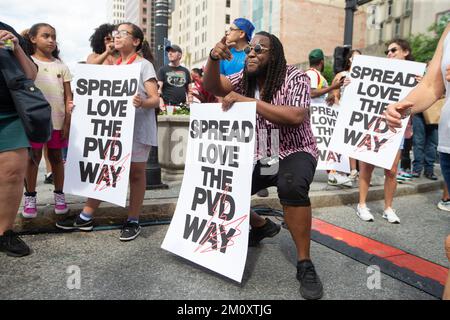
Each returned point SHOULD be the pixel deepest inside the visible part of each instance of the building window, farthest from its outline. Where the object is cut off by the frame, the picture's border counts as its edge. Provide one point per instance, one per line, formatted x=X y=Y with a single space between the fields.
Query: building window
x=390 y=8
x=397 y=28
x=228 y=5
x=227 y=19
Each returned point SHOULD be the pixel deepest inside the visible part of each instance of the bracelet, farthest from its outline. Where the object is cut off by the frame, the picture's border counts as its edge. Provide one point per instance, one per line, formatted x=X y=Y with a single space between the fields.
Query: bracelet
x=211 y=56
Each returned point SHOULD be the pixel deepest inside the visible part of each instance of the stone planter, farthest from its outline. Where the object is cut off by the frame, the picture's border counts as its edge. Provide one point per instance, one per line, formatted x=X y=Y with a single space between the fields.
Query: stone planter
x=172 y=145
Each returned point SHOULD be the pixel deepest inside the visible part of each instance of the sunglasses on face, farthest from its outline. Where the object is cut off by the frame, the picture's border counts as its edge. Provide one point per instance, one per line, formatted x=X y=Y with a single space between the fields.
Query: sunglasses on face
x=393 y=50
x=258 y=49
x=121 y=33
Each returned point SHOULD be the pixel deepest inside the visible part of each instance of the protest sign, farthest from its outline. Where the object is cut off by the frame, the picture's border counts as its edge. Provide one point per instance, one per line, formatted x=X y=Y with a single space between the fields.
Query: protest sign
x=211 y=220
x=361 y=130
x=323 y=121
x=101 y=133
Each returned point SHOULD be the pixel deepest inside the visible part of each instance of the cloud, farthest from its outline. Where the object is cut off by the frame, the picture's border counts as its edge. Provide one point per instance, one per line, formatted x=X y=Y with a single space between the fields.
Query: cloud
x=74 y=21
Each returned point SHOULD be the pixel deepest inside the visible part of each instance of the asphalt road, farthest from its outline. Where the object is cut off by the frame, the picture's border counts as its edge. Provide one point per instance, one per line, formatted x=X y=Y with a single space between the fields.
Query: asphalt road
x=140 y=269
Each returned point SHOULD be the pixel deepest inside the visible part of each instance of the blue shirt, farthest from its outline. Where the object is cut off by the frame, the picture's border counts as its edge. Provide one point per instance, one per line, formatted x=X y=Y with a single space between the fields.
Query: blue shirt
x=236 y=65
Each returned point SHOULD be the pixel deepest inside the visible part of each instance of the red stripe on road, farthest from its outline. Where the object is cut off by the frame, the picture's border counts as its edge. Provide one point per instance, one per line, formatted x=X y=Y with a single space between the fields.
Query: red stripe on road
x=394 y=255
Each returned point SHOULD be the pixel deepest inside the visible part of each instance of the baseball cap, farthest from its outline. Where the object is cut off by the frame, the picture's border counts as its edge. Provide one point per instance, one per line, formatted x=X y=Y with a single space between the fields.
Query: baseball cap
x=246 y=26
x=316 y=54
x=174 y=47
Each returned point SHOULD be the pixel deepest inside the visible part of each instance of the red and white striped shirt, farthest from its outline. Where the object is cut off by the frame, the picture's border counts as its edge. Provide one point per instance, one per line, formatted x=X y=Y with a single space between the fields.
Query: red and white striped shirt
x=294 y=92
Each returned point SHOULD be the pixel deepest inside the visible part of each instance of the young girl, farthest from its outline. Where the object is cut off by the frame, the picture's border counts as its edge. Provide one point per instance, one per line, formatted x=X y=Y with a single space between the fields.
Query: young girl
x=54 y=81
x=128 y=41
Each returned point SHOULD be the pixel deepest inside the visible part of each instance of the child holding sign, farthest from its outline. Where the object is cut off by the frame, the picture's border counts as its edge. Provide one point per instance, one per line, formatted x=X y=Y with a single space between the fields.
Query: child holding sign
x=54 y=81
x=128 y=41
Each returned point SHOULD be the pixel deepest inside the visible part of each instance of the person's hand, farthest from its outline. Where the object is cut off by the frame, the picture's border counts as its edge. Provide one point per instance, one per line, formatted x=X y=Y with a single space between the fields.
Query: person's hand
x=137 y=101
x=338 y=84
x=222 y=51
x=233 y=97
x=447 y=73
x=347 y=81
x=71 y=106
x=6 y=35
x=418 y=78
x=331 y=99
x=396 y=112
x=110 y=48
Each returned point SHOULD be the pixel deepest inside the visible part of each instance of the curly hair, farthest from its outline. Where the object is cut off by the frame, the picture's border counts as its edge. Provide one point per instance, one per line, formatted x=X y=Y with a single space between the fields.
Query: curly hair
x=98 y=37
x=276 y=71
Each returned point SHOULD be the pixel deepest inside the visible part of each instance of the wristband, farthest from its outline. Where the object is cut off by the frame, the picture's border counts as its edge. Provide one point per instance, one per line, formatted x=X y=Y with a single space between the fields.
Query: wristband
x=211 y=56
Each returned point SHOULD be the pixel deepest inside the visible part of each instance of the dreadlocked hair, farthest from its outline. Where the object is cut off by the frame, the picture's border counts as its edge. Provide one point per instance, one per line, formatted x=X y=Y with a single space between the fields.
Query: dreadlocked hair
x=276 y=71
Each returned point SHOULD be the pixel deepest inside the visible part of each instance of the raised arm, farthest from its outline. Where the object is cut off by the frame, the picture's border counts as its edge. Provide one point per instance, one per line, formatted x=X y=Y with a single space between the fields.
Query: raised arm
x=427 y=92
x=213 y=81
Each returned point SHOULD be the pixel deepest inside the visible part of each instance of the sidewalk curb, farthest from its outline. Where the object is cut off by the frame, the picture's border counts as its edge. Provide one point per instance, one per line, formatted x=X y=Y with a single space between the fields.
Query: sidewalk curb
x=163 y=209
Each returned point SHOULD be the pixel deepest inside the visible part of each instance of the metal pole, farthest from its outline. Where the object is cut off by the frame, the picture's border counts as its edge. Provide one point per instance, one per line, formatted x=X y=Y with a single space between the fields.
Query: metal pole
x=153 y=170
x=161 y=29
x=350 y=8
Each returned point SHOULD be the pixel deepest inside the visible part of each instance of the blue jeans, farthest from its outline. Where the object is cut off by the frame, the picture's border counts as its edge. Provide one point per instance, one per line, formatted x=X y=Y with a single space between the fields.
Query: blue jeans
x=425 y=141
x=444 y=159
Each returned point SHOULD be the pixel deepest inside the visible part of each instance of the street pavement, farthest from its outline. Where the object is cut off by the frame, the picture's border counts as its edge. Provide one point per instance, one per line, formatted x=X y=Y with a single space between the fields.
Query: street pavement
x=140 y=269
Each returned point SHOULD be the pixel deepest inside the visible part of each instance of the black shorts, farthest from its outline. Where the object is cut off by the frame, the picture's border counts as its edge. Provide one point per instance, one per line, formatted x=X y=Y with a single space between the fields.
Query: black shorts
x=294 y=176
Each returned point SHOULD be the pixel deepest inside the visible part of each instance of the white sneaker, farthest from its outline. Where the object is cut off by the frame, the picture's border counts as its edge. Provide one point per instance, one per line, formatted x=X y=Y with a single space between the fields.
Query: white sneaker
x=364 y=213
x=353 y=175
x=391 y=216
x=444 y=205
x=337 y=179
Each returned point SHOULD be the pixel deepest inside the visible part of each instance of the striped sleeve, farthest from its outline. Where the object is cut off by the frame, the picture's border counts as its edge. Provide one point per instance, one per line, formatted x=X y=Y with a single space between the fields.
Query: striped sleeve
x=299 y=87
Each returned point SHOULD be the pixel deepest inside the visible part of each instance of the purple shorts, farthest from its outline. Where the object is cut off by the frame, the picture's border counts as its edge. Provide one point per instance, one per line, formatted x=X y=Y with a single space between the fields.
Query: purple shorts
x=54 y=143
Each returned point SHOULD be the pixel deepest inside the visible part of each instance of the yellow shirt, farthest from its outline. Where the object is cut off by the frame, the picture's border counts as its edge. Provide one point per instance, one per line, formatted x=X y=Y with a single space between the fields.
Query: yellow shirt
x=50 y=80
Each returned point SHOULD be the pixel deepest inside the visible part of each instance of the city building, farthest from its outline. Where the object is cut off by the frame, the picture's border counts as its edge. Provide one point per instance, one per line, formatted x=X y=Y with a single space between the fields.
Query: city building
x=115 y=11
x=197 y=25
x=142 y=14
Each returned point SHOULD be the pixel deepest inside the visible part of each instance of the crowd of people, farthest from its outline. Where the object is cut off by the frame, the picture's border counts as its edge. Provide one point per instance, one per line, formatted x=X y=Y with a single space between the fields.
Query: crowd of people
x=242 y=67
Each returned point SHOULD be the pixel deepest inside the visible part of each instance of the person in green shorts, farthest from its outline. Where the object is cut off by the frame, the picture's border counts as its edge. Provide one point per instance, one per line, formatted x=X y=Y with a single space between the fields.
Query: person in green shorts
x=13 y=149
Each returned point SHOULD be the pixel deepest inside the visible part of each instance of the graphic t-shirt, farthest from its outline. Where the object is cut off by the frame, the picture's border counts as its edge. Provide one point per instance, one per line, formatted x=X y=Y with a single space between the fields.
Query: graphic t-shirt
x=176 y=82
x=318 y=81
x=50 y=79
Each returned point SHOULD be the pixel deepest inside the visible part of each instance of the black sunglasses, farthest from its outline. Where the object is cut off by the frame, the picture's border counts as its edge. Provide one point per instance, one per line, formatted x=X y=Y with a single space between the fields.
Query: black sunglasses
x=258 y=49
x=393 y=50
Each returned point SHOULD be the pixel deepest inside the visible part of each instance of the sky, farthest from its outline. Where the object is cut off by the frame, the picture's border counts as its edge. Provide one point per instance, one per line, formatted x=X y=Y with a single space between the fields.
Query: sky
x=74 y=21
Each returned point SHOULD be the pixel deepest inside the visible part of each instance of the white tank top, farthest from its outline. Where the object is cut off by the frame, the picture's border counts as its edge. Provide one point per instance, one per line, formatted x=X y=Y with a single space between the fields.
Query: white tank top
x=444 y=124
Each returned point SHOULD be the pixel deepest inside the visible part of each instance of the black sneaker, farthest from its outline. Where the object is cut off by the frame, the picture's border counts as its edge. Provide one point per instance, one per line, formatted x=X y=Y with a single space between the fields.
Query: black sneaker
x=48 y=178
x=431 y=176
x=12 y=245
x=264 y=193
x=130 y=231
x=270 y=229
x=310 y=285
x=75 y=223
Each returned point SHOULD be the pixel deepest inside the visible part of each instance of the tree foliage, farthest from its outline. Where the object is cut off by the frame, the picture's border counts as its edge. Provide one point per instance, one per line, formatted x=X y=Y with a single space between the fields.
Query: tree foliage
x=424 y=45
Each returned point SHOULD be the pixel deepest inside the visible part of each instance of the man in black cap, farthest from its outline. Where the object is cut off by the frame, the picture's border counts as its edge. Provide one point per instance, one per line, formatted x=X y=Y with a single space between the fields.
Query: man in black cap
x=174 y=79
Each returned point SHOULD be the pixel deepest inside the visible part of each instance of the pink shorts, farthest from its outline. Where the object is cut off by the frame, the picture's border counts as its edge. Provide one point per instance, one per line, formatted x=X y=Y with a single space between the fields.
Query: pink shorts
x=54 y=143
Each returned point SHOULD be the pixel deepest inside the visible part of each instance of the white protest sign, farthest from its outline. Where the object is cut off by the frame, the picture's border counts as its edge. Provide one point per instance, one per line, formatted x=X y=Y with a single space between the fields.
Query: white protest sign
x=361 y=131
x=101 y=132
x=211 y=221
x=323 y=121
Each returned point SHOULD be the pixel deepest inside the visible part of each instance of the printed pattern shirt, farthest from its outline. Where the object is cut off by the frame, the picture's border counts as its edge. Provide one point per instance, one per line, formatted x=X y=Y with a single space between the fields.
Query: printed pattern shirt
x=294 y=92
